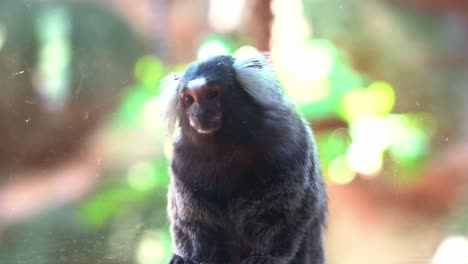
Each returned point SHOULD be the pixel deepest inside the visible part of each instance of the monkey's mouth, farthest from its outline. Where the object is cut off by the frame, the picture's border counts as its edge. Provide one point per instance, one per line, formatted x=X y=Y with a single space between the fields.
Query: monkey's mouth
x=206 y=126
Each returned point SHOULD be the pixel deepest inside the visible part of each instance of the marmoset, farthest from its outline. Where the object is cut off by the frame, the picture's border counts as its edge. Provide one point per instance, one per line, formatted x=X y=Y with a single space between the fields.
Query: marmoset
x=246 y=184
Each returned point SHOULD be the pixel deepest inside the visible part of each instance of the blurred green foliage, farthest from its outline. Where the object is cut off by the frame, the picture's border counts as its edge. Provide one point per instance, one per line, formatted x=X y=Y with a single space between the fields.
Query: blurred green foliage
x=369 y=138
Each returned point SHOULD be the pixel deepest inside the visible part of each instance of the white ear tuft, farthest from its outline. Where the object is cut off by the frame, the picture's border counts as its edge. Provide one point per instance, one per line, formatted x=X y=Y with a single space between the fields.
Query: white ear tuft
x=167 y=101
x=257 y=78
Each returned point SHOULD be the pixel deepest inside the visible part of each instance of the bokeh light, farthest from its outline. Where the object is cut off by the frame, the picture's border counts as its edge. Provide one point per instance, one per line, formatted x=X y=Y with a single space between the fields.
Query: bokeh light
x=224 y=16
x=53 y=84
x=152 y=120
x=211 y=47
x=149 y=70
x=452 y=250
x=409 y=139
x=153 y=248
x=364 y=159
x=142 y=176
x=245 y=51
x=340 y=172
x=3 y=36
x=307 y=72
x=377 y=100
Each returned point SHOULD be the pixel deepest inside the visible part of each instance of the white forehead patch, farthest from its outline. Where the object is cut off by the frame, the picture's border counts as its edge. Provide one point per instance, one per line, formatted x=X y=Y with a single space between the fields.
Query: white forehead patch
x=197 y=83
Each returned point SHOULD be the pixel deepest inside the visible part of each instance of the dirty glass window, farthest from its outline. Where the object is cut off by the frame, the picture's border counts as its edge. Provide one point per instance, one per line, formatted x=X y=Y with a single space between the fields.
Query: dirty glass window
x=84 y=157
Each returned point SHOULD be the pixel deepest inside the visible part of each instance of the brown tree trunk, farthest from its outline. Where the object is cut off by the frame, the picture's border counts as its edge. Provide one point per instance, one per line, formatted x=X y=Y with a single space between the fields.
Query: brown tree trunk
x=257 y=23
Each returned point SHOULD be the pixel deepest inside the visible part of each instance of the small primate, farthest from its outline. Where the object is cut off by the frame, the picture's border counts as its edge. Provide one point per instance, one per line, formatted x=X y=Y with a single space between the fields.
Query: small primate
x=246 y=184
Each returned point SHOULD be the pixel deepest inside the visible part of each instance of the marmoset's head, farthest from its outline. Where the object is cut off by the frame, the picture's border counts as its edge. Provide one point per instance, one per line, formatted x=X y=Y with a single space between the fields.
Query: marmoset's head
x=202 y=90
x=219 y=91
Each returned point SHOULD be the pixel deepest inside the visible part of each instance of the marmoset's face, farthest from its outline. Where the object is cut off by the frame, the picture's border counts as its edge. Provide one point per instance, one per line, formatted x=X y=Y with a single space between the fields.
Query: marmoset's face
x=201 y=100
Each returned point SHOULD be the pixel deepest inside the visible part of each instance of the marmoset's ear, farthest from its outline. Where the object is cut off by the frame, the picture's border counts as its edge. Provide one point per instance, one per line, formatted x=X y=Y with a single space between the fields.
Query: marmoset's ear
x=168 y=101
x=256 y=76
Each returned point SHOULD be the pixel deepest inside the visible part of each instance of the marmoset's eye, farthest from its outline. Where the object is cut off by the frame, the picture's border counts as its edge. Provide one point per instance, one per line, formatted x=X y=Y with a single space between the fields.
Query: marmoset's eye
x=188 y=100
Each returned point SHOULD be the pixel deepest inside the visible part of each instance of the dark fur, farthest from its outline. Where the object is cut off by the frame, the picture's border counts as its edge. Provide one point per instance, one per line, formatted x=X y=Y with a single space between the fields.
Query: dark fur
x=251 y=192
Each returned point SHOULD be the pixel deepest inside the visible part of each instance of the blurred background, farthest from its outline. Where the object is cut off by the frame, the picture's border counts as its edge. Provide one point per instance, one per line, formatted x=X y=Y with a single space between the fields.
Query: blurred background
x=83 y=155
